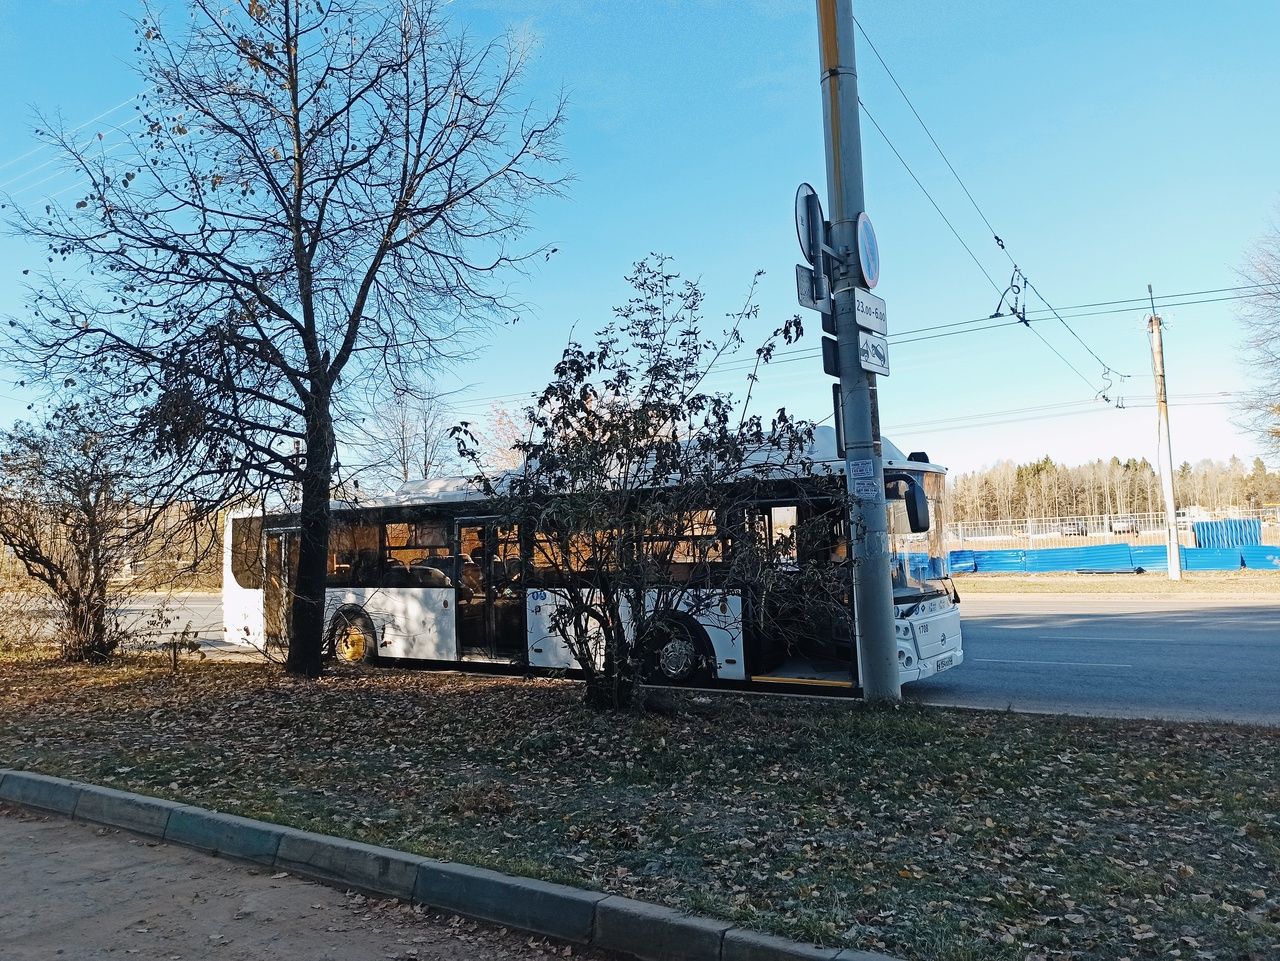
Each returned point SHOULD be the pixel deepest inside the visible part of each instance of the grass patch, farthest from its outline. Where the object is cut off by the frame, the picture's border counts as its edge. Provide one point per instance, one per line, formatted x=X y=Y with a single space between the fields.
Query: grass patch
x=922 y=832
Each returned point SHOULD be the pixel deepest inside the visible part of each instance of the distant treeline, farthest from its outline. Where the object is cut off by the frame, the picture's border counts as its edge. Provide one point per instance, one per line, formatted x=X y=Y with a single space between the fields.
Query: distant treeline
x=1047 y=489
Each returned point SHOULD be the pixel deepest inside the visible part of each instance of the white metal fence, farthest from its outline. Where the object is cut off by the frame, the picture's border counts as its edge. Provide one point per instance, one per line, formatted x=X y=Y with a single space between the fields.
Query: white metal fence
x=1082 y=531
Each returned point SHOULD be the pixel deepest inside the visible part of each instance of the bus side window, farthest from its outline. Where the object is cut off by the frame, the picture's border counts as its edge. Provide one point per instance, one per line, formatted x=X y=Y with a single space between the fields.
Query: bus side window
x=354 y=559
x=783 y=533
x=774 y=528
x=247 y=559
x=416 y=554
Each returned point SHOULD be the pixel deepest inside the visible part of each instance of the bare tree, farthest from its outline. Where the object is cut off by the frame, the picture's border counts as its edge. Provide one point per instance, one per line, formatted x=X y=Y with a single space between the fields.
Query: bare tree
x=77 y=510
x=642 y=490
x=406 y=439
x=315 y=195
x=1261 y=319
x=1045 y=489
x=500 y=438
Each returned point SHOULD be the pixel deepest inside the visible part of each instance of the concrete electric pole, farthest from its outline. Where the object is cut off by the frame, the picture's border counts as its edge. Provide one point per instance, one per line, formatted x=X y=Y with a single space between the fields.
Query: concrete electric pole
x=855 y=266
x=1166 y=452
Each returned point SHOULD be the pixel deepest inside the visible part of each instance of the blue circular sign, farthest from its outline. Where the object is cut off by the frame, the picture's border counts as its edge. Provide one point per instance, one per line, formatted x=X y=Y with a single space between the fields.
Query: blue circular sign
x=868 y=252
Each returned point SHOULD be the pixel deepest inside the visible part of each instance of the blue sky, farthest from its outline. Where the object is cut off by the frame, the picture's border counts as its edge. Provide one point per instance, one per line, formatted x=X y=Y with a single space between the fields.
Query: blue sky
x=1111 y=146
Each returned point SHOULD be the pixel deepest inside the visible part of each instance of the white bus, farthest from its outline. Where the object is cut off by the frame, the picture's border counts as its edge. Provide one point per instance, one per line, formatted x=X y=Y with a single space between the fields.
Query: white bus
x=424 y=577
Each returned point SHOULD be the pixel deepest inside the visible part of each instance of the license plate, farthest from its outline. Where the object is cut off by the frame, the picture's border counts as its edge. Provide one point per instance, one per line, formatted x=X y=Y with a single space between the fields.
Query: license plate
x=944 y=663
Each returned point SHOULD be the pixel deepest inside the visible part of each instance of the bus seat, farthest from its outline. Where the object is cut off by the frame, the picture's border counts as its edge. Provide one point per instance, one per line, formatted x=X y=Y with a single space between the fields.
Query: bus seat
x=471 y=576
x=365 y=569
x=426 y=576
x=396 y=576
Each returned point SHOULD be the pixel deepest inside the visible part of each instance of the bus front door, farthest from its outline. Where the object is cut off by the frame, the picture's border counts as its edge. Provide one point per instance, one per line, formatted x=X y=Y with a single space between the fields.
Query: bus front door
x=490 y=593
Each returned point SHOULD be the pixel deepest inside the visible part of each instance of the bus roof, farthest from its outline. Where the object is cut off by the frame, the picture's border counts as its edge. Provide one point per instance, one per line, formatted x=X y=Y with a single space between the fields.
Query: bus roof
x=449 y=490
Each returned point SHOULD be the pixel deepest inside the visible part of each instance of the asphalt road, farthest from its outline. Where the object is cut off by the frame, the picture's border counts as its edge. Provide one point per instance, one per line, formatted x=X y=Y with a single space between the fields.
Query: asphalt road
x=1184 y=657
x=74 y=891
x=1209 y=657
x=199 y=612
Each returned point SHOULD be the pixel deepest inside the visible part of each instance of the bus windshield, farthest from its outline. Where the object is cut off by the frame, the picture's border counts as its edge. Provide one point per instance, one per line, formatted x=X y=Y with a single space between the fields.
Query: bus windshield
x=918 y=560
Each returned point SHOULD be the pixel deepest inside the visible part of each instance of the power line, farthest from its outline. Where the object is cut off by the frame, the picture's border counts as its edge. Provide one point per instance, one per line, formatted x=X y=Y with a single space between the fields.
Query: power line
x=935 y=332
x=37 y=168
x=938 y=331
x=109 y=148
x=44 y=146
x=1051 y=411
x=1164 y=297
x=1166 y=302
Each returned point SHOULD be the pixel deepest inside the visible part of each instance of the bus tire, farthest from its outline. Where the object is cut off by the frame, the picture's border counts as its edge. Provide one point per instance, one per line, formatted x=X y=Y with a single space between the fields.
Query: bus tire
x=352 y=638
x=680 y=653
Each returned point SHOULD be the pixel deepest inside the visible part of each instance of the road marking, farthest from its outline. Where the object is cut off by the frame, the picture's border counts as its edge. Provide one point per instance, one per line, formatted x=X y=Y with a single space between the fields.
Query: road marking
x=1001 y=660
x=1082 y=637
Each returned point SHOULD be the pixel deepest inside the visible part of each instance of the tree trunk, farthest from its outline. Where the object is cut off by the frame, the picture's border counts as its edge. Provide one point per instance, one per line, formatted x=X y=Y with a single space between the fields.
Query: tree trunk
x=306 y=628
x=99 y=649
x=612 y=688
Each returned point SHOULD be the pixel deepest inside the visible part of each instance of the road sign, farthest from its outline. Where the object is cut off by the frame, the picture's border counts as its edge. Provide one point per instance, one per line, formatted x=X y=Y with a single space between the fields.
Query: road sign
x=831 y=357
x=868 y=252
x=837 y=409
x=810 y=223
x=873 y=352
x=811 y=289
x=869 y=312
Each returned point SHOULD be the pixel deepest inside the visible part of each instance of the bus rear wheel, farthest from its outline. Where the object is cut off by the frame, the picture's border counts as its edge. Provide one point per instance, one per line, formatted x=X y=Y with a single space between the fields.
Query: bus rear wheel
x=352 y=638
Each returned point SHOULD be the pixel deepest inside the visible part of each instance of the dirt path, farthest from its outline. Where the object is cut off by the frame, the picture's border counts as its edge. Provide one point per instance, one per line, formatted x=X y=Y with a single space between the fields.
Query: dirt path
x=75 y=891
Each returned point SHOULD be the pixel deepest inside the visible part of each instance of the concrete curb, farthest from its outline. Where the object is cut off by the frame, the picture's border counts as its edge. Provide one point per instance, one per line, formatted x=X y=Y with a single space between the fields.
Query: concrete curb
x=646 y=931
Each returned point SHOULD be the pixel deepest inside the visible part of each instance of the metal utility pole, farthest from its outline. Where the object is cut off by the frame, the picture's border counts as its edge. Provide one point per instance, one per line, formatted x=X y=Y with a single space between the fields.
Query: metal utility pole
x=1165 y=457
x=864 y=470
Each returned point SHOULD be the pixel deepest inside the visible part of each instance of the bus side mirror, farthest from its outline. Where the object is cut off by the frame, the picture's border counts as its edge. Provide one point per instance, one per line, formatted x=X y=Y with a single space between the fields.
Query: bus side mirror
x=917 y=508
x=917 y=503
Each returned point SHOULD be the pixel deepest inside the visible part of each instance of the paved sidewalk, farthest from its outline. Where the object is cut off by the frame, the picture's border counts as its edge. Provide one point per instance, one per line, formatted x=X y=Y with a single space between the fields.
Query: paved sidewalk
x=71 y=890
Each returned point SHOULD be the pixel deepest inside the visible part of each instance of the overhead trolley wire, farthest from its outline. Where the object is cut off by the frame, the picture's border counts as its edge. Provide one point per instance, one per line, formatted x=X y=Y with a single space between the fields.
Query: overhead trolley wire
x=1107 y=368
x=994 y=286
x=907 y=167
x=927 y=132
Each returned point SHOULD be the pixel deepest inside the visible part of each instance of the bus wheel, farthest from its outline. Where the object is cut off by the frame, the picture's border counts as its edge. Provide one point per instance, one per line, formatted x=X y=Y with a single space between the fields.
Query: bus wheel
x=677 y=655
x=352 y=638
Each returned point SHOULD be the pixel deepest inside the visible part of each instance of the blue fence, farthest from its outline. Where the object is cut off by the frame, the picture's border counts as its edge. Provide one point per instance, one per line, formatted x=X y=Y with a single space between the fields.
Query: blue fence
x=991 y=561
x=1155 y=558
x=1121 y=557
x=1103 y=557
x=1228 y=533
x=1261 y=558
